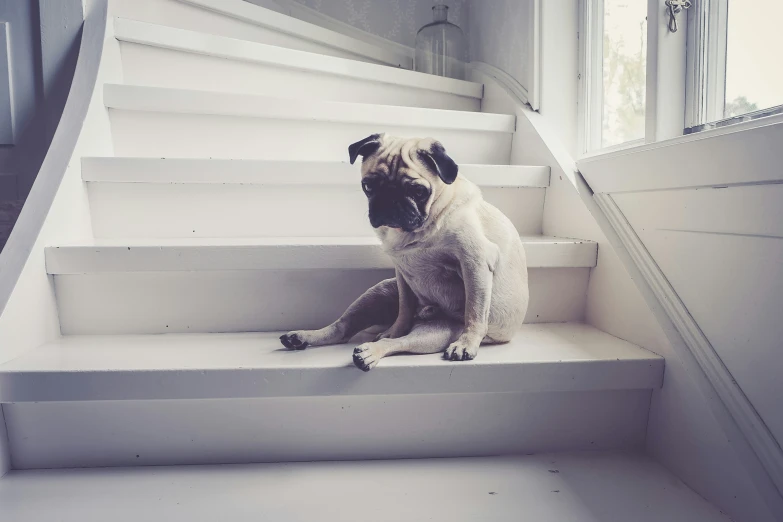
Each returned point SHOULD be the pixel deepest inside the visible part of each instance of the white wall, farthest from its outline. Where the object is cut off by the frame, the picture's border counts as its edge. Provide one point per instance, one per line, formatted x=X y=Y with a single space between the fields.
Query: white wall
x=501 y=34
x=559 y=69
x=394 y=20
x=707 y=209
x=682 y=432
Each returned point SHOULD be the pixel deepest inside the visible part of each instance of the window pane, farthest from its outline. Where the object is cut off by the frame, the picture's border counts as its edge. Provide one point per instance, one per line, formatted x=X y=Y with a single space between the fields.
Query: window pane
x=624 y=70
x=754 y=78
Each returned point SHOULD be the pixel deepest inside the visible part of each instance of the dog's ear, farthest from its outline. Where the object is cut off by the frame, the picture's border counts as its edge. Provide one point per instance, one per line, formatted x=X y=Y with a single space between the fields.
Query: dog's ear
x=439 y=162
x=365 y=147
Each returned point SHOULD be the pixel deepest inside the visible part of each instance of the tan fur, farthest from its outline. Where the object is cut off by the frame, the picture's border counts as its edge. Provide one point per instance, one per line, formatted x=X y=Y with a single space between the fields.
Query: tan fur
x=461 y=278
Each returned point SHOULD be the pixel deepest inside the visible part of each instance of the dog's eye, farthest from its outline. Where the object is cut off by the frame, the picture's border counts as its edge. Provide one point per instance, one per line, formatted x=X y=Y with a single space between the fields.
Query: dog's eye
x=368 y=186
x=420 y=192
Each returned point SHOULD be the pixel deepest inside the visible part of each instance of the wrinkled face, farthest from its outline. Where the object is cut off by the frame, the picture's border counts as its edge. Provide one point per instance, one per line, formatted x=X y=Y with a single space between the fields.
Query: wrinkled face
x=398 y=197
x=400 y=178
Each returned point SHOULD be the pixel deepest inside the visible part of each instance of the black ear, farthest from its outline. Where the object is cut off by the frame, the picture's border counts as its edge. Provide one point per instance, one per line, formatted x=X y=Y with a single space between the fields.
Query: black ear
x=365 y=147
x=440 y=163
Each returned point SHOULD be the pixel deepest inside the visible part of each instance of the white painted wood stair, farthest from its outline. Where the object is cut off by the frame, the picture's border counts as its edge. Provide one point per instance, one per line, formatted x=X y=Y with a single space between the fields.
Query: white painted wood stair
x=228 y=209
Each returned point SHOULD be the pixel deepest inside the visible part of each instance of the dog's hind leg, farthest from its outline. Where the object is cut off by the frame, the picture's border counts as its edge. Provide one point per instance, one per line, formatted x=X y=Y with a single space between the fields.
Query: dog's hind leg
x=376 y=306
x=425 y=337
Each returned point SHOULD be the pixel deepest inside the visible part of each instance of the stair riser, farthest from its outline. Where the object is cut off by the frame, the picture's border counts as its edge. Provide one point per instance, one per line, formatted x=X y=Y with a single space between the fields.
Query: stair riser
x=158 y=135
x=269 y=300
x=145 y=65
x=91 y=434
x=175 y=13
x=232 y=210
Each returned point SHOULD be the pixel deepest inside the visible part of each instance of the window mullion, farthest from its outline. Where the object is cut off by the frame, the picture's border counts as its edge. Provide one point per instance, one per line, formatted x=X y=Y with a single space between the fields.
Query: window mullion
x=590 y=81
x=706 y=70
x=596 y=80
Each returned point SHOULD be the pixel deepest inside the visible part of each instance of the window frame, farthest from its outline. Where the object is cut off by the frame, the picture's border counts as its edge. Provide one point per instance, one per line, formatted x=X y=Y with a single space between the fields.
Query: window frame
x=686 y=75
x=590 y=101
x=591 y=92
x=706 y=62
x=708 y=30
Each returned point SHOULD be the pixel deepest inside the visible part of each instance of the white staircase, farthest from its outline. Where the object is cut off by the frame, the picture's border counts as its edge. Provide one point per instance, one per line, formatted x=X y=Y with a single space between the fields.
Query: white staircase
x=229 y=207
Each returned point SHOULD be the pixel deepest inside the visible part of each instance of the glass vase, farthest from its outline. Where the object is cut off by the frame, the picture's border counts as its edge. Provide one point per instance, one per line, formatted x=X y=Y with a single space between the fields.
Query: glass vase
x=440 y=47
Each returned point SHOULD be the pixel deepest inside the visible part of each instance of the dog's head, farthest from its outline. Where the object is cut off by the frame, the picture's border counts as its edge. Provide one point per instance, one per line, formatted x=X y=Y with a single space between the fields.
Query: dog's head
x=401 y=177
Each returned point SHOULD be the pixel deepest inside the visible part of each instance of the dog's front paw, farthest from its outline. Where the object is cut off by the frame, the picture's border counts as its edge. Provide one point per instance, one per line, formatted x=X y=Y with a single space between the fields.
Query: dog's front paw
x=294 y=340
x=463 y=349
x=365 y=357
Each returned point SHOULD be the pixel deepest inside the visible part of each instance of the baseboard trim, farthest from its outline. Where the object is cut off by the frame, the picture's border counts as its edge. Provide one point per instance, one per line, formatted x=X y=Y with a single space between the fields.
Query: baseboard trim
x=763 y=455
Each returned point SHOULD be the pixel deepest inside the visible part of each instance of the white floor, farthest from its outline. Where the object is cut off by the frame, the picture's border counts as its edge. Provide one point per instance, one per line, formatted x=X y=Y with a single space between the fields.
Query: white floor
x=587 y=487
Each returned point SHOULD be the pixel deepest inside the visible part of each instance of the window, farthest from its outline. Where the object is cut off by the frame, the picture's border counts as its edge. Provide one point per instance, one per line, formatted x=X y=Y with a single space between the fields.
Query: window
x=641 y=84
x=624 y=71
x=614 y=83
x=733 y=48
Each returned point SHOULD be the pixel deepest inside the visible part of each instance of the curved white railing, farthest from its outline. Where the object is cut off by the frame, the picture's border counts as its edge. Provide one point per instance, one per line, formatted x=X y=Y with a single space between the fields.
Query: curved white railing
x=57 y=208
x=31 y=220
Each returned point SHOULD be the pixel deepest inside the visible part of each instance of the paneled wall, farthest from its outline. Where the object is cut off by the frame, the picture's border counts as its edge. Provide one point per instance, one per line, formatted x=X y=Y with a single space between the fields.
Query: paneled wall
x=704 y=215
x=721 y=249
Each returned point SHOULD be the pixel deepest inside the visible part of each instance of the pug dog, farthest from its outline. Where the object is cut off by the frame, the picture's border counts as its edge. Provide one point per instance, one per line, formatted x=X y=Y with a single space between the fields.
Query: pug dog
x=460 y=268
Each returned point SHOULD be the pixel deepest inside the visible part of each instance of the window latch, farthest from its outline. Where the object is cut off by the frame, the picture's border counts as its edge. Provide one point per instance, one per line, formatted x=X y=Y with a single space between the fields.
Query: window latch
x=673 y=7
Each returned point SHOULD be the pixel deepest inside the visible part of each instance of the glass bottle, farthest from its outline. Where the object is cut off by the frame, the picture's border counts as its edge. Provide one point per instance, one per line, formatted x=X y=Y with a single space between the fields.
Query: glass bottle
x=440 y=47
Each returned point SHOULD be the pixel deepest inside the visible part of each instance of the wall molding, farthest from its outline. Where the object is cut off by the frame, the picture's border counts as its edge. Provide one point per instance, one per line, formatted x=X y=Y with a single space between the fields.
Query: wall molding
x=762 y=455
x=733 y=157
x=512 y=86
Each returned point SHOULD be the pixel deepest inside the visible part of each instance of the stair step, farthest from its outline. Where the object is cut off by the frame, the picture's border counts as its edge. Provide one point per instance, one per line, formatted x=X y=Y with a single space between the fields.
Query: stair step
x=605 y=486
x=272 y=253
x=162 y=198
x=243 y=20
x=163 y=56
x=160 y=122
x=184 y=285
x=222 y=171
x=541 y=358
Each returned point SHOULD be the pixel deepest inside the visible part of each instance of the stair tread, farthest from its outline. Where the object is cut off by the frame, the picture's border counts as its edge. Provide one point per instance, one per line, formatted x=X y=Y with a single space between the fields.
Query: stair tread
x=269 y=253
x=606 y=486
x=187 y=101
x=541 y=357
x=202 y=170
x=133 y=31
x=250 y=13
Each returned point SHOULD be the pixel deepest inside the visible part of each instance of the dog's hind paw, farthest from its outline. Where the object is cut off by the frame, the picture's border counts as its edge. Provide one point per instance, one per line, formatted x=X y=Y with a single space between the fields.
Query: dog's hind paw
x=294 y=341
